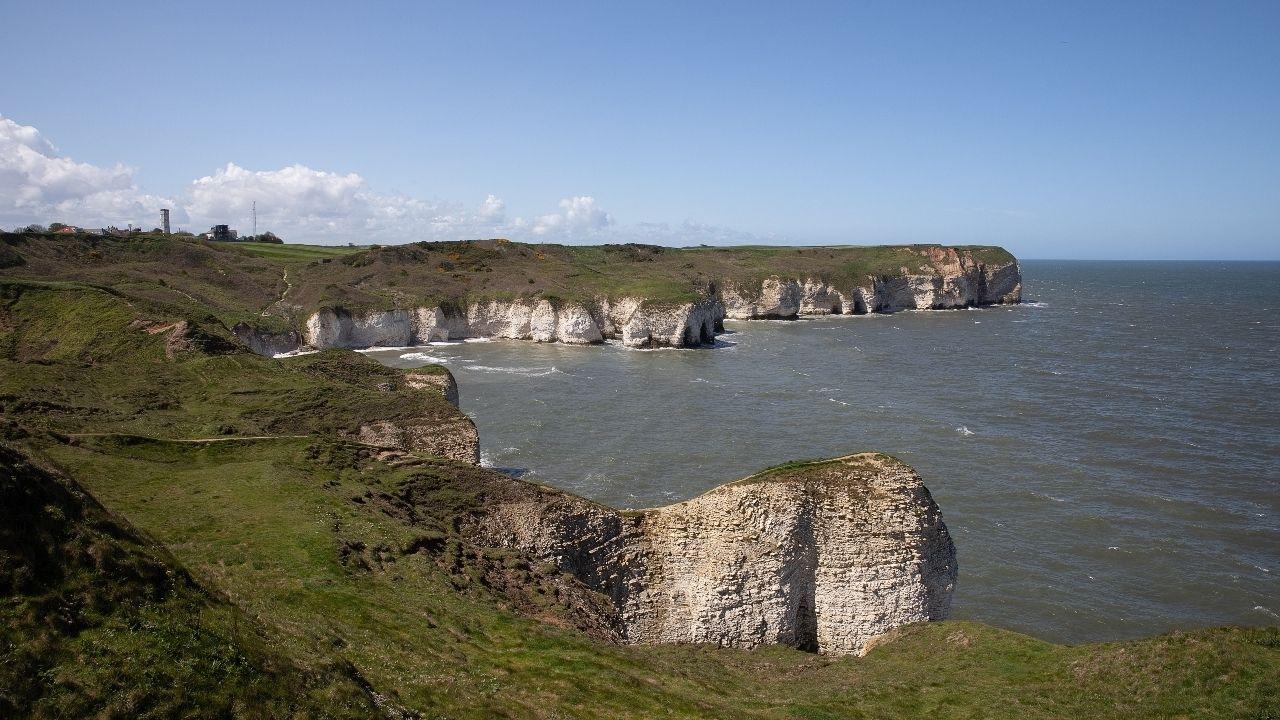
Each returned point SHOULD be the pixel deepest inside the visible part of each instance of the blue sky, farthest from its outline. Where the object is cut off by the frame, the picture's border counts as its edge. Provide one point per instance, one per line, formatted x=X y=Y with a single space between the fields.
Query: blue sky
x=1110 y=130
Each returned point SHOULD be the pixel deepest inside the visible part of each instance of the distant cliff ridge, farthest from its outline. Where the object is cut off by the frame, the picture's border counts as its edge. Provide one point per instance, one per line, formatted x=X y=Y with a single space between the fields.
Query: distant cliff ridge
x=935 y=278
x=282 y=298
x=954 y=280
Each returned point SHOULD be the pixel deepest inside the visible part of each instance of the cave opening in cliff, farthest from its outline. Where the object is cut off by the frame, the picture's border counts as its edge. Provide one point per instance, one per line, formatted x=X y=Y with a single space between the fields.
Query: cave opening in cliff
x=806 y=625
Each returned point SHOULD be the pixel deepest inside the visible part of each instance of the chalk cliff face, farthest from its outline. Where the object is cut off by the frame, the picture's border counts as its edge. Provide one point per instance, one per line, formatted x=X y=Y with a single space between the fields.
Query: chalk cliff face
x=777 y=298
x=632 y=321
x=640 y=325
x=265 y=342
x=824 y=556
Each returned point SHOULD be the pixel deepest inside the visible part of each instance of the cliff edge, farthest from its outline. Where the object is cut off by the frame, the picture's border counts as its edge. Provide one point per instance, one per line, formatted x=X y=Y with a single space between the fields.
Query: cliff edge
x=823 y=556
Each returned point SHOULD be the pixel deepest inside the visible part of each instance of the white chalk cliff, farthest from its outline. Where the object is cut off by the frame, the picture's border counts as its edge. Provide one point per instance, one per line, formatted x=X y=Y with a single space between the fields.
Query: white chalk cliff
x=824 y=556
x=632 y=321
x=956 y=282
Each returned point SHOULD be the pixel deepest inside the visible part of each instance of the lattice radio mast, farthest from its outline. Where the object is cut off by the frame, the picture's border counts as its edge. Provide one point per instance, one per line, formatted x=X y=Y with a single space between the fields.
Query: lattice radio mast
x=255 y=218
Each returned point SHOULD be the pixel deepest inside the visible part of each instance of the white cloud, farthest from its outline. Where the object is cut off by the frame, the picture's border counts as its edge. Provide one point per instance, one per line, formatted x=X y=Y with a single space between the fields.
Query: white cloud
x=493 y=208
x=578 y=216
x=298 y=203
x=38 y=185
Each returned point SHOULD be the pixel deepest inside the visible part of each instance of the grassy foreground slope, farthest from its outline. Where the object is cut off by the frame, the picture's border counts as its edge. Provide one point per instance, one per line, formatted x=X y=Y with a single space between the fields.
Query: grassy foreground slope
x=226 y=551
x=97 y=620
x=307 y=536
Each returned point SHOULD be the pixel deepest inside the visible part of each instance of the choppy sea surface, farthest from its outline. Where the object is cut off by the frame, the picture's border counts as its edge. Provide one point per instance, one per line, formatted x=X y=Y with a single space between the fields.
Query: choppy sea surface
x=1107 y=455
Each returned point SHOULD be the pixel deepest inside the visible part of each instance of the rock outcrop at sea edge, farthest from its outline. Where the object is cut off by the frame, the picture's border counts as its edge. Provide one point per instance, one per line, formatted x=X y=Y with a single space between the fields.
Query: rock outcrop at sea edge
x=437 y=378
x=956 y=281
x=451 y=435
x=823 y=556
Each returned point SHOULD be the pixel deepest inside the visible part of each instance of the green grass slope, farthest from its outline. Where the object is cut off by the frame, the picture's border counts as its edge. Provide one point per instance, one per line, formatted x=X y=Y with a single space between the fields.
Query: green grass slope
x=98 y=621
x=247 y=560
x=294 y=253
x=75 y=358
x=353 y=558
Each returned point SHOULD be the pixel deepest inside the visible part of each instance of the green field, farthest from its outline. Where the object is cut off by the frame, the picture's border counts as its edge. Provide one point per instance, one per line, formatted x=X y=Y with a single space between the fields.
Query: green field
x=297 y=253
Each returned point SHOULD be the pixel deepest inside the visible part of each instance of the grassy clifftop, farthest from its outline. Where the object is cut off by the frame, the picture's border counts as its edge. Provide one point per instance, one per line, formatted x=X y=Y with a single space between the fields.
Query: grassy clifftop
x=270 y=285
x=429 y=272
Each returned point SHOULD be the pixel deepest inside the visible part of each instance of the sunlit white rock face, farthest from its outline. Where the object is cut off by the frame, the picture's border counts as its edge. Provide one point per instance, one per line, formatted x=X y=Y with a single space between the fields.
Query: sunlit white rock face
x=632 y=321
x=781 y=299
x=825 y=556
x=640 y=325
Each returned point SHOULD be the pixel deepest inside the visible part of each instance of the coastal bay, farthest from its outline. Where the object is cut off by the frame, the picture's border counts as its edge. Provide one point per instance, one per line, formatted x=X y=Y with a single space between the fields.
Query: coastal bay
x=1078 y=479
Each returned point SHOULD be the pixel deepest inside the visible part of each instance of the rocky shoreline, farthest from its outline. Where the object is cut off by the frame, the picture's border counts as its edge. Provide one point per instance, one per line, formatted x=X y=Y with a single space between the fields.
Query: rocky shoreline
x=636 y=322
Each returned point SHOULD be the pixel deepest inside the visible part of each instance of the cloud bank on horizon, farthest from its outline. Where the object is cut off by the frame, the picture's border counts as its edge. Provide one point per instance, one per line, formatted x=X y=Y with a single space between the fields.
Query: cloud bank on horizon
x=40 y=185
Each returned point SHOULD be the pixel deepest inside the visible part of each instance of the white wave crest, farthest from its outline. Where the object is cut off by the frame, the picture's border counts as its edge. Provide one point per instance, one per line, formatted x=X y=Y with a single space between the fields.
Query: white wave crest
x=524 y=371
x=964 y=430
x=293 y=353
x=424 y=357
